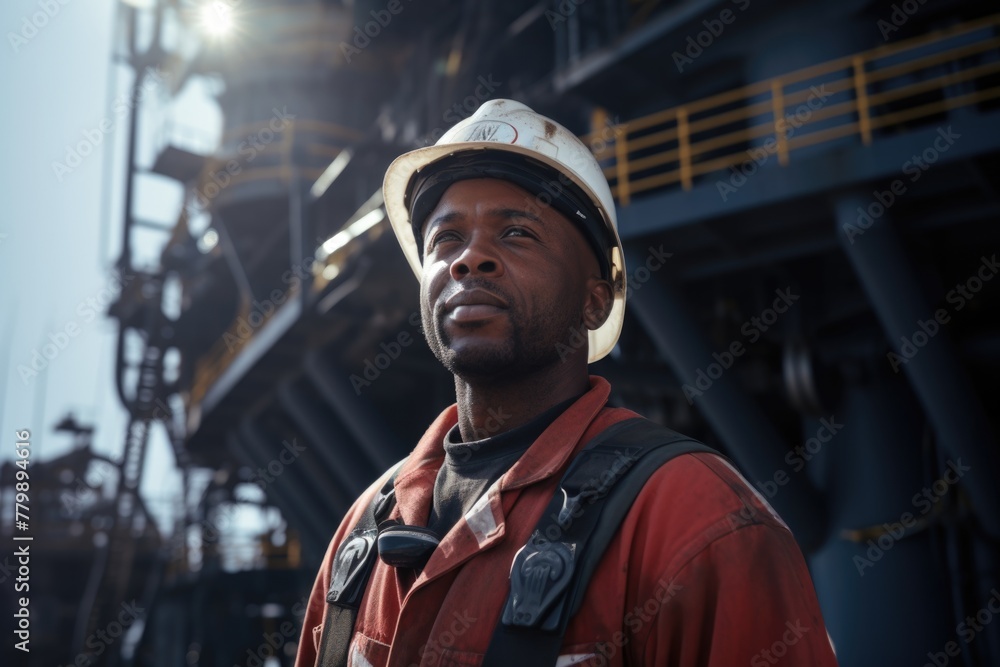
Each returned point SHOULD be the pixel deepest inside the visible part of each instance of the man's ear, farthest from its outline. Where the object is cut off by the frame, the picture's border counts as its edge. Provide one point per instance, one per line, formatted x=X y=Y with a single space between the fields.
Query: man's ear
x=597 y=306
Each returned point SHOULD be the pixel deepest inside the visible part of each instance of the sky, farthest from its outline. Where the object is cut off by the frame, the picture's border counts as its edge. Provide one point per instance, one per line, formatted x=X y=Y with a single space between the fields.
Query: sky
x=56 y=275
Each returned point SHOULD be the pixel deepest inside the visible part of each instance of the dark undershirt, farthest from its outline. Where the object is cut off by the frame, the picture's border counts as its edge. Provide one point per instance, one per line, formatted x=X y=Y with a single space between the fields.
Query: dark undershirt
x=470 y=468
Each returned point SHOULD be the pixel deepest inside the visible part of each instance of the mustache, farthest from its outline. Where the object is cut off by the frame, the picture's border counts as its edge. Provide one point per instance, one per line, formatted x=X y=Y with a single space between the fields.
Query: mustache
x=473 y=283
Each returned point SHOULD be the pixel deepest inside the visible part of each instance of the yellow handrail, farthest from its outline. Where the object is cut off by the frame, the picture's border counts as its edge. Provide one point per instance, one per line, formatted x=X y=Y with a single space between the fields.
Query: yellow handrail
x=621 y=158
x=861 y=94
x=691 y=135
x=779 y=115
x=685 y=147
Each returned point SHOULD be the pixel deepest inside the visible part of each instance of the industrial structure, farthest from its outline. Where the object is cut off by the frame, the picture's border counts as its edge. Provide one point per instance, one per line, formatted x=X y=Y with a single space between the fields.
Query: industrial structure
x=808 y=195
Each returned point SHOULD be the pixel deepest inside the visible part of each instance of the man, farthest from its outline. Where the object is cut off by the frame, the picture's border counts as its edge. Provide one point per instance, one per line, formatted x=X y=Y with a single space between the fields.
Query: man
x=510 y=225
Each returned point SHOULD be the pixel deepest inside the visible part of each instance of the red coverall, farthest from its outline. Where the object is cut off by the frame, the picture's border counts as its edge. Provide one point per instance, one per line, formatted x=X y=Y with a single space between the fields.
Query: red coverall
x=702 y=572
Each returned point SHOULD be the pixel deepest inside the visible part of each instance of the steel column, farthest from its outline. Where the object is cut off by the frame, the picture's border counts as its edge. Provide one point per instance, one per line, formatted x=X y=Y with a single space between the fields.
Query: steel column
x=753 y=441
x=375 y=442
x=294 y=505
x=334 y=445
x=936 y=373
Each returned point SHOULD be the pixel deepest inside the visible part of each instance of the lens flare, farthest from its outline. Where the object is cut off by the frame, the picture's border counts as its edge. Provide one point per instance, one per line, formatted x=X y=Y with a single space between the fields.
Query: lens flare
x=217 y=19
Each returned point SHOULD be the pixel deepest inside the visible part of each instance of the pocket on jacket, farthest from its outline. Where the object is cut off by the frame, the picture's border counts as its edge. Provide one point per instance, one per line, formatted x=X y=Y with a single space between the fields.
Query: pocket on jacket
x=366 y=652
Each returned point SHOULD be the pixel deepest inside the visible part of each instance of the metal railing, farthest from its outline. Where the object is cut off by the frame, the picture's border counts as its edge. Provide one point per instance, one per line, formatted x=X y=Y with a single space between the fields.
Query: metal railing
x=873 y=92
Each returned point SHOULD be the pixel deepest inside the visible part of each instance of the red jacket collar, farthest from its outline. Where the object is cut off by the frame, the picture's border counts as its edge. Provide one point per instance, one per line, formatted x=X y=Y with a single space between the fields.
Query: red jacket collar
x=415 y=483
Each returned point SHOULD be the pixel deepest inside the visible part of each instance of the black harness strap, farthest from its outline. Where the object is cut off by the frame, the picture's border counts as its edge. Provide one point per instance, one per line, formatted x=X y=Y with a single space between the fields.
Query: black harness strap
x=352 y=567
x=550 y=573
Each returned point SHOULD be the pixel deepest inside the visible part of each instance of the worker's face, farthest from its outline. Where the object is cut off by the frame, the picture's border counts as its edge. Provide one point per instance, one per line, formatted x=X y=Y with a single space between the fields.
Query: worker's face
x=505 y=280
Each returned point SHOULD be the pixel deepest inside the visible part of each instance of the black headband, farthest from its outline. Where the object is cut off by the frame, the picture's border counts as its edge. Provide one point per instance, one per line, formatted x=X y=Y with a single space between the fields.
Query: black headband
x=549 y=186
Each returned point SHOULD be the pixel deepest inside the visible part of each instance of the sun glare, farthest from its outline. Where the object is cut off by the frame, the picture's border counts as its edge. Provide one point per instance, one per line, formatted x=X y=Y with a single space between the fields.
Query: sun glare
x=217 y=18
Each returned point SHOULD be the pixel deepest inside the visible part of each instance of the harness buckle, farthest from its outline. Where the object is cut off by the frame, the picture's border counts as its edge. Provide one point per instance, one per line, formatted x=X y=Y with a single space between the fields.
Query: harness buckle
x=539 y=579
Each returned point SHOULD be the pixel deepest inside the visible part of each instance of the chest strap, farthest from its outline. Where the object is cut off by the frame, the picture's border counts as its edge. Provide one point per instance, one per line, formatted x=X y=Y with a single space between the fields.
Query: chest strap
x=550 y=574
x=352 y=567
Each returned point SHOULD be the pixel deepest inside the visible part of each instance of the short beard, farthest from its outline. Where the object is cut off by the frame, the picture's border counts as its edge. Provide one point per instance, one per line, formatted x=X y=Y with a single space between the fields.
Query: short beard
x=527 y=349
x=485 y=363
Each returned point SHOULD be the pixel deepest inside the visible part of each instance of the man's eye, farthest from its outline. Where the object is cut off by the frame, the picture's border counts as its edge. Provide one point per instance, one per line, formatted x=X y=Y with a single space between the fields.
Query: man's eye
x=518 y=231
x=442 y=236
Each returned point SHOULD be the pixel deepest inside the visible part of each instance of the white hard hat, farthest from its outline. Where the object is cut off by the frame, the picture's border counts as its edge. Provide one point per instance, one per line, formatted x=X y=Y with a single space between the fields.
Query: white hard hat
x=506 y=139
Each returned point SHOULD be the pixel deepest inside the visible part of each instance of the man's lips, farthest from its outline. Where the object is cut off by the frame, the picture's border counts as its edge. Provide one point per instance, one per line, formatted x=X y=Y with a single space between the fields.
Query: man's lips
x=474 y=304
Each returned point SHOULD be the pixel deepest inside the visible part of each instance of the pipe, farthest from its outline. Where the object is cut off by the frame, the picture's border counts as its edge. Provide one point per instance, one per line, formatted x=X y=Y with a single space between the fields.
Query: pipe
x=335 y=446
x=375 y=441
x=289 y=498
x=753 y=441
x=935 y=372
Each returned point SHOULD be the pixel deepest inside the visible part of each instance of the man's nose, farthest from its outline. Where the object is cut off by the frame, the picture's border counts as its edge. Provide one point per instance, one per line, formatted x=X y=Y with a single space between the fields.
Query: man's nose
x=479 y=257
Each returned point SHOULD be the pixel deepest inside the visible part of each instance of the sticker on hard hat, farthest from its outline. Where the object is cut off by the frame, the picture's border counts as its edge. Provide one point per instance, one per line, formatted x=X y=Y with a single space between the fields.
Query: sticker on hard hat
x=491 y=130
x=545 y=147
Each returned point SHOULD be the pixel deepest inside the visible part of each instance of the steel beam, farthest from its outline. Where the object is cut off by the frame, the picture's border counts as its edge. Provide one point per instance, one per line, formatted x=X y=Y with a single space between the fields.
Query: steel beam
x=936 y=373
x=304 y=475
x=656 y=29
x=753 y=441
x=336 y=451
x=289 y=498
x=376 y=442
